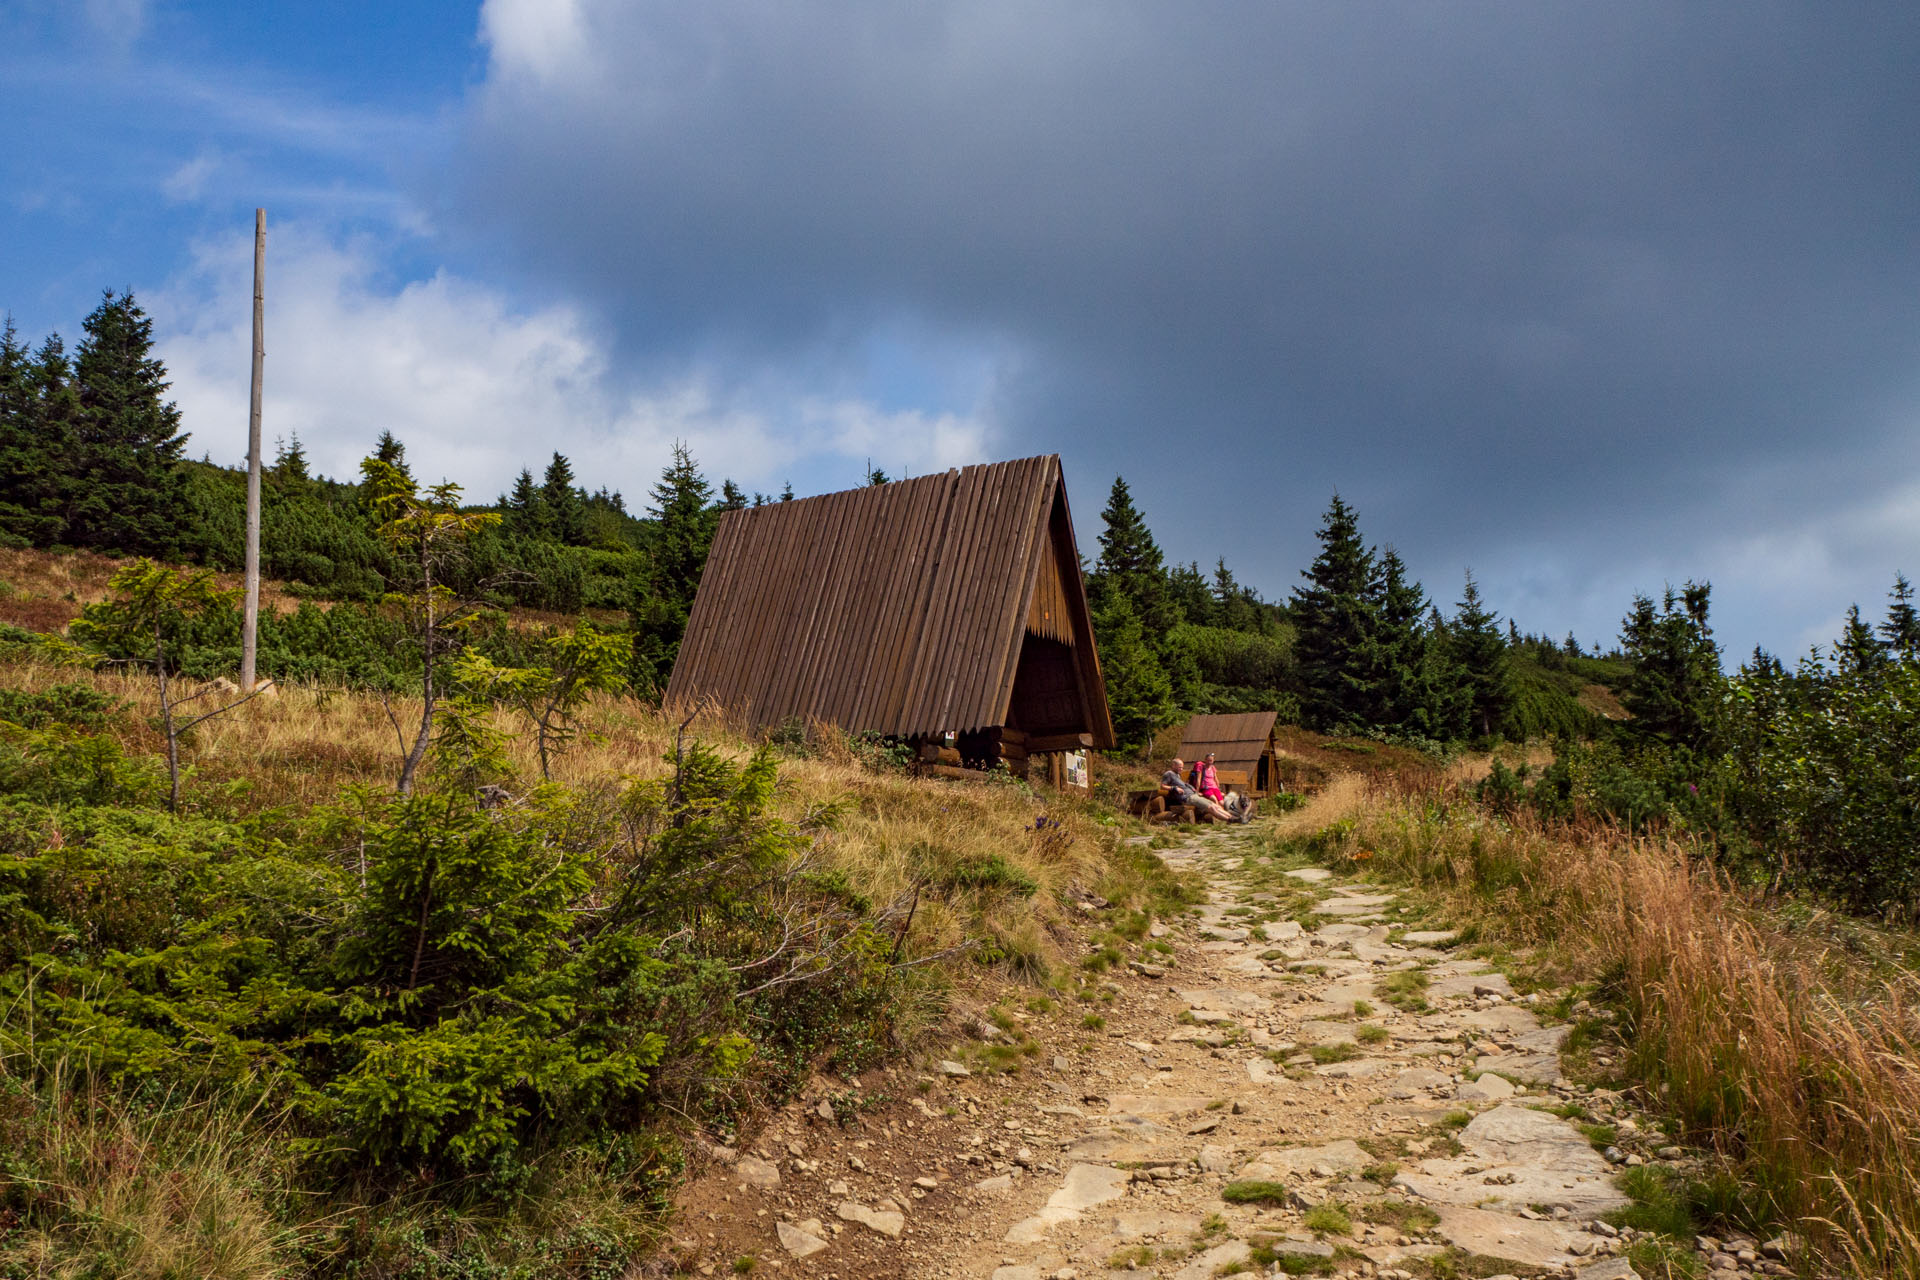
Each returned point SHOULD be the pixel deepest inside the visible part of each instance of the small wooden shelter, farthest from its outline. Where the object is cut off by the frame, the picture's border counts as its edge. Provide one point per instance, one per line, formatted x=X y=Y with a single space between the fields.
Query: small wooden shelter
x=947 y=611
x=1243 y=748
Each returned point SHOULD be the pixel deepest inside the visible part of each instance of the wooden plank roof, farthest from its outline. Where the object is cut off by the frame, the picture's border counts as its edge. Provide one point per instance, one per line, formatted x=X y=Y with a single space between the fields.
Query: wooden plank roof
x=900 y=608
x=1236 y=740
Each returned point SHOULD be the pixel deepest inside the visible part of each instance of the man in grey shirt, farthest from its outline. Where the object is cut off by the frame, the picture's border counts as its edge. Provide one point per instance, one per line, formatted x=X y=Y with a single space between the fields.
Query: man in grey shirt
x=1178 y=792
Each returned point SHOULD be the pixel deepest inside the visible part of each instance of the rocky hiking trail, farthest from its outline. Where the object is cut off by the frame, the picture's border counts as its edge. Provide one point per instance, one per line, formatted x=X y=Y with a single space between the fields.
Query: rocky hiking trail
x=1343 y=1096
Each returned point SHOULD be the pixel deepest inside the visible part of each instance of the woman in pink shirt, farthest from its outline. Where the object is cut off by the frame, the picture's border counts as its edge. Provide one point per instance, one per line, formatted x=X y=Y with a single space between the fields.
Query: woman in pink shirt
x=1206 y=780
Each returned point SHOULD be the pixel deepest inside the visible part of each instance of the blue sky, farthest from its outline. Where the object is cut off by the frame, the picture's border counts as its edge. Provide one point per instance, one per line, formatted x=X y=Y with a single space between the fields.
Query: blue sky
x=1588 y=299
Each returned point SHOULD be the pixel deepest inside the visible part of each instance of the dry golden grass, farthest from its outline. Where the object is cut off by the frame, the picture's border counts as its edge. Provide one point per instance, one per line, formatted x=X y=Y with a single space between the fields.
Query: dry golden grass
x=181 y=1188
x=45 y=590
x=301 y=745
x=1798 y=1061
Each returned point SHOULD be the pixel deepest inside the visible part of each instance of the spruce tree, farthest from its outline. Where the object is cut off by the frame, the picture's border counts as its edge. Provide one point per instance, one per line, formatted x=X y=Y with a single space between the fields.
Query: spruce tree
x=389 y=450
x=732 y=497
x=1414 y=690
x=1676 y=687
x=1336 y=619
x=1129 y=557
x=31 y=461
x=1187 y=592
x=1479 y=660
x=786 y=492
x=525 y=507
x=1858 y=650
x=128 y=486
x=1139 y=694
x=1900 y=633
x=683 y=531
x=562 y=502
x=290 y=464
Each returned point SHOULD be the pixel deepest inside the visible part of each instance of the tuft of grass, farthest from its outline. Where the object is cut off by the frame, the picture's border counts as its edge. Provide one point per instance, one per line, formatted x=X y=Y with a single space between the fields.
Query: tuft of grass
x=1381 y=1173
x=1255 y=1192
x=1370 y=1035
x=744 y=1264
x=1328 y=1053
x=1328 y=1219
x=1361 y=1009
x=1405 y=989
x=1400 y=1215
x=1456 y=1120
x=1093 y=1022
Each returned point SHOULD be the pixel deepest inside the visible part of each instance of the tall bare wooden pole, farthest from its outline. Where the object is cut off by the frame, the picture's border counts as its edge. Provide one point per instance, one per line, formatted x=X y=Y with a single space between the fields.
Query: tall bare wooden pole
x=250 y=627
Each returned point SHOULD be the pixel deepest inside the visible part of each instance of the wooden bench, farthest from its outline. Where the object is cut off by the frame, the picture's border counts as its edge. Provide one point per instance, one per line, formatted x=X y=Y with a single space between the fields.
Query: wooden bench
x=1156 y=806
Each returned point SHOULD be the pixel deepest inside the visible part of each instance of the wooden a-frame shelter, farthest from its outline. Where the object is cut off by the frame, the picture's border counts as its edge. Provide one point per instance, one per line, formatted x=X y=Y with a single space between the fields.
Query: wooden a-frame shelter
x=947 y=611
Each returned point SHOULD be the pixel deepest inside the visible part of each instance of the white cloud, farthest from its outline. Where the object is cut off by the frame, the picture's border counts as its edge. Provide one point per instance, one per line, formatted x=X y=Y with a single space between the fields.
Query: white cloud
x=478 y=387
x=190 y=179
x=537 y=38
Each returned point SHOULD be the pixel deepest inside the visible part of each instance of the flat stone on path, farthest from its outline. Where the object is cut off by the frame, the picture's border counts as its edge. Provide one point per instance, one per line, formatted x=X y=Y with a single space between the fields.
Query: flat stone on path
x=1086 y=1186
x=1539 y=1068
x=1312 y=875
x=1412 y=1082
x=1474 y=984
x=1230 y=1000
x=1488 y=1088
x=1135 y=1226
x=1542 y=1243
x=1207 y=1264
x=1317 y=1032
x=1351 y=907
x=888 y=1222
x=801 y=1239
x=1519 y=1156
x=1344 y=1156
x=756 y=1172
x=1611 y=1269
x=1016 y=1273
x=1156 y=1104
x=1429 y=937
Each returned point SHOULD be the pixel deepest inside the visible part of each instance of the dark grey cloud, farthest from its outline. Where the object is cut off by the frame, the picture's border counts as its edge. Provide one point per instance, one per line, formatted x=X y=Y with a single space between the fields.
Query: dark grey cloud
x=1583 y=296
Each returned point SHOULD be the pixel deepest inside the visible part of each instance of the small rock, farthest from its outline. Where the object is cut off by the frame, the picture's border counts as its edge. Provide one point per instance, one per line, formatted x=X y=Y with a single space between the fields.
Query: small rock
x=1215 y=1159
x=1671 y=1153
x=888 y=1222
x=1488 y=1088
x=948 y=1067
x=1611 y=1269
x=801 y=1239
x=756 y=1172
x=838 y=1187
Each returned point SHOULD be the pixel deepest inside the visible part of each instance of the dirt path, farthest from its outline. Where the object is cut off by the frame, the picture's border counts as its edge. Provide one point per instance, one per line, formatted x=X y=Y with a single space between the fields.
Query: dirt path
x=1256 y=1103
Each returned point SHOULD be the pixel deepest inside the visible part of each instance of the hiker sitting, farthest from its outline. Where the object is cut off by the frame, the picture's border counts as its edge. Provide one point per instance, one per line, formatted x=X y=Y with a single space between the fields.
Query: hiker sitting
x=1178 y=792
x=1206 y=780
